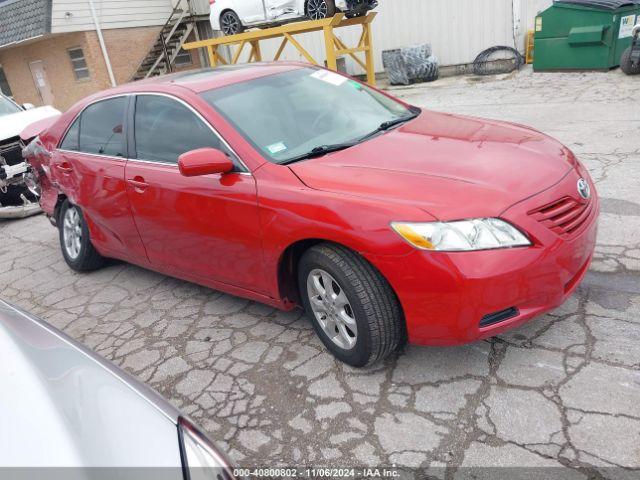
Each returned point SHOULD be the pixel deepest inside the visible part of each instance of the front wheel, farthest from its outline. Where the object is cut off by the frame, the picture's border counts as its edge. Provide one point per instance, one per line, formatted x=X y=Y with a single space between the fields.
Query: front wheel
x=352 y=307
x=319 y=9
x=230 y=23
x=77 y=249
x=626 y=64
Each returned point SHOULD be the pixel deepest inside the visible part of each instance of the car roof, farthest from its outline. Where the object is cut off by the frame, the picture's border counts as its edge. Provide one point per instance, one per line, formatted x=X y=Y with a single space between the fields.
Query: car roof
x=210 y=78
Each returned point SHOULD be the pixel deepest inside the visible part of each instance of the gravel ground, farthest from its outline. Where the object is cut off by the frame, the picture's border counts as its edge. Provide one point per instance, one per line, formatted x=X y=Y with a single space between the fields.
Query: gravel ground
x=564 y=390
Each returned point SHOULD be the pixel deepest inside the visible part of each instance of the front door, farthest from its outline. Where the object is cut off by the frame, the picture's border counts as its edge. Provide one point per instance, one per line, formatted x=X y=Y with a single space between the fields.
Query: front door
x=41 y=81
x=204 y=228
x=90 y=166
x=283 y=9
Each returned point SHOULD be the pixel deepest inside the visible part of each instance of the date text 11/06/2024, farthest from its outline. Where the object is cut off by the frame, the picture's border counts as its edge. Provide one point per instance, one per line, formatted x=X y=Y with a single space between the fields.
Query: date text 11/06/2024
x=317 y=473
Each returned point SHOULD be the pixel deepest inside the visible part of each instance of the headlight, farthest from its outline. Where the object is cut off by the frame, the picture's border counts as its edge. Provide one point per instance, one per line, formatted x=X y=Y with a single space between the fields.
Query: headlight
x=201 y=459
x=464 y=235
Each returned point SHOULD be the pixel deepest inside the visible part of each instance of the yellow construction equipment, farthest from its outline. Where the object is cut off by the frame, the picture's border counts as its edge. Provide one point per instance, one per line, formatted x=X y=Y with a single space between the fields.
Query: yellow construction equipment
x=334 y=47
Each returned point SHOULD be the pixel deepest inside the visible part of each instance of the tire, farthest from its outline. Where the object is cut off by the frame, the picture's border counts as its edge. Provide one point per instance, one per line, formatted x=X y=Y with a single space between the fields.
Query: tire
x=374 y=311
x=319 y=9
x=84 y=257
x=626 y=64
x=230 y=23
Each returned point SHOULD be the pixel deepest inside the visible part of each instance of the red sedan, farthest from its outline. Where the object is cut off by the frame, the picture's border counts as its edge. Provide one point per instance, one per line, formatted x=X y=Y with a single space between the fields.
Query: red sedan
x=292 y=185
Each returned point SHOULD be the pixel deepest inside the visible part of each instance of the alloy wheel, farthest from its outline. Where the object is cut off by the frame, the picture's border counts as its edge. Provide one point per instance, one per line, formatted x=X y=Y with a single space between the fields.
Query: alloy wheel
x=72 y=233
x=317 y=9
x=230 y=24
x=332 y=309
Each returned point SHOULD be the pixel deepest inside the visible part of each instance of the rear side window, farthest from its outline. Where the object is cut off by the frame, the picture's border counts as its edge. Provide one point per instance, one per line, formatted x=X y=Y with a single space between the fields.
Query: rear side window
x=99 y=129
x=165 y=129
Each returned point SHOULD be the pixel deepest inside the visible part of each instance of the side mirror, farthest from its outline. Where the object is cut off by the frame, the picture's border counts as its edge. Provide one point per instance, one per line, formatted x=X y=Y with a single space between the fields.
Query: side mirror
x=28 y=106
x=204 y=161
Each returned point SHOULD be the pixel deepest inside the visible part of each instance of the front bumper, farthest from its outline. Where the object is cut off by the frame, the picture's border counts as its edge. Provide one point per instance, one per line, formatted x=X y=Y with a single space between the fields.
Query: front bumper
x=447 y=296
x=20 y=211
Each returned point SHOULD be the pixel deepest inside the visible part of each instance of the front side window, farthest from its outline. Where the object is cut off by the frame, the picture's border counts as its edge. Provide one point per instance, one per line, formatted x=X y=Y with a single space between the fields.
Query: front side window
x=288 y=114
x=78 y=63
x=101 y=128
x=165 y=129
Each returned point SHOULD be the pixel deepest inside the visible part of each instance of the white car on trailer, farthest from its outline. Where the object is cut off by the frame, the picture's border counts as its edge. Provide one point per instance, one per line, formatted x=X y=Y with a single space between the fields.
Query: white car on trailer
x=233 y=16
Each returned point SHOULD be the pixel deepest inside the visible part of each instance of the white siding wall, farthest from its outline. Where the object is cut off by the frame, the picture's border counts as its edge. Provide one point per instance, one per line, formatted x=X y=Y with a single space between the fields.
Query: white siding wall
x=457 y=29
x=532 y=8
x=111 y=14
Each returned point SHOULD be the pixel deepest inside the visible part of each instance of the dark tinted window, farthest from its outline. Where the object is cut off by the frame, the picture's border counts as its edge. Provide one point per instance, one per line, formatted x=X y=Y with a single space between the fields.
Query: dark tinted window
x=101 y=128
x=71 y=140
x=165 y=129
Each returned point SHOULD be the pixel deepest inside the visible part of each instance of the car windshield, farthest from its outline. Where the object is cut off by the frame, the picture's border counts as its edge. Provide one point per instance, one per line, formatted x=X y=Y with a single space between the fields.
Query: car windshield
x=289 y=115
x=7 y=107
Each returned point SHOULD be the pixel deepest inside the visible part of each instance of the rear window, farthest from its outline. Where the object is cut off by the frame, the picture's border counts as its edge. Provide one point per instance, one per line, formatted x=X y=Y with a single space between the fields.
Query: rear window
x=101 y=129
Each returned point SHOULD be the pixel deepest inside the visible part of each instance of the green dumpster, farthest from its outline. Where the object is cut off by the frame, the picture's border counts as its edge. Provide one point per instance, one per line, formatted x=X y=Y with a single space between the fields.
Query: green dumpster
x=584 y=34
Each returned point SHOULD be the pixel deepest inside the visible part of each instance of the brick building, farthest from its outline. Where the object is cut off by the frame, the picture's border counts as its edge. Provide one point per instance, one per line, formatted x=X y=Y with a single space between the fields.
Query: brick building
x=51 y=51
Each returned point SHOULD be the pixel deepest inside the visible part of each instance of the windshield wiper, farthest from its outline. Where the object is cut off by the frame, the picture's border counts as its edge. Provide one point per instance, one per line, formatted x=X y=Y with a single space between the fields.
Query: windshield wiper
x=324 y=149
x=319 y=151
x=384 y=126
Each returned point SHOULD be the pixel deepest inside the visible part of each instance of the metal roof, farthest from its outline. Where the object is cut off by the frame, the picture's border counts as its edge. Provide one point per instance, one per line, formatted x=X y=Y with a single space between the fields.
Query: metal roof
x=601 y=4
x=23 y=19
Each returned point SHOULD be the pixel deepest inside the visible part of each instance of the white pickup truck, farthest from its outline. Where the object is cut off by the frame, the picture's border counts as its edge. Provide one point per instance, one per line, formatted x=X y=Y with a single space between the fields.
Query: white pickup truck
x=19 y=191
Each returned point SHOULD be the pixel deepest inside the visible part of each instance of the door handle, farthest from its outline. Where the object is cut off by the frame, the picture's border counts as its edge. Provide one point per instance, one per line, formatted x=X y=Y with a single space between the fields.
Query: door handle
x=138 y=184
x=64 y=167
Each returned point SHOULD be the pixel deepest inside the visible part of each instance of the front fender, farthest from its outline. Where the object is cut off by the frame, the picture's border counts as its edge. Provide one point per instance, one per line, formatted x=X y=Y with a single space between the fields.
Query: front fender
x=291 y=212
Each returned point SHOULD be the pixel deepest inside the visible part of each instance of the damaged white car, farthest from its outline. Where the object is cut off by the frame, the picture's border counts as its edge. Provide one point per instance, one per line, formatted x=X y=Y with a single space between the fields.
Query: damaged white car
x=233 y=16
x=19 y=190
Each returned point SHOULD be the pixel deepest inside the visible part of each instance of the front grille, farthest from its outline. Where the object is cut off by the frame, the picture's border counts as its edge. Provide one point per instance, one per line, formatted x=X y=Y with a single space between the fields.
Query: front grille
x=11 y=153
x=564 y=216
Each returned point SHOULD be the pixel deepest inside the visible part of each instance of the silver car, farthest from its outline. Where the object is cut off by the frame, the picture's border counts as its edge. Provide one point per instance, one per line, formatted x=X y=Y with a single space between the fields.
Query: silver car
x=63 y=406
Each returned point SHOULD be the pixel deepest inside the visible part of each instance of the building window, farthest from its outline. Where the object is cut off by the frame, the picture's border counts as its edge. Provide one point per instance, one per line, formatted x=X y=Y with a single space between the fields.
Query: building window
x=4 y=84
x=79 y=64
x=183 y=58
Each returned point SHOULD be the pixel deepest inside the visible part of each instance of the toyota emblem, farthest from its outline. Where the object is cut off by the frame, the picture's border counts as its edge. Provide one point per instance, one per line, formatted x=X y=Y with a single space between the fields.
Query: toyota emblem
x=584 y=189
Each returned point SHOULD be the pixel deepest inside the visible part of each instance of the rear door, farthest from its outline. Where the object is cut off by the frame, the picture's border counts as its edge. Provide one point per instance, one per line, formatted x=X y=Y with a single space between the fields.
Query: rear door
x=250 y=11
x=203 y=227
x=89 y=166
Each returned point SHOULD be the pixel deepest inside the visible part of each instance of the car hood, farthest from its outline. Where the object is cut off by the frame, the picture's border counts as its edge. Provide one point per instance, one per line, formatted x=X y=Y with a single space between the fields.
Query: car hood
x=453 y=167
x=13 y=124
x=62 y=406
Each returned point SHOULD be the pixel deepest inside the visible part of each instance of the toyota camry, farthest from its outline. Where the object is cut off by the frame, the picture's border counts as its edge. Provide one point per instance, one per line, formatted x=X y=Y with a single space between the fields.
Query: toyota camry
x=297 y=186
